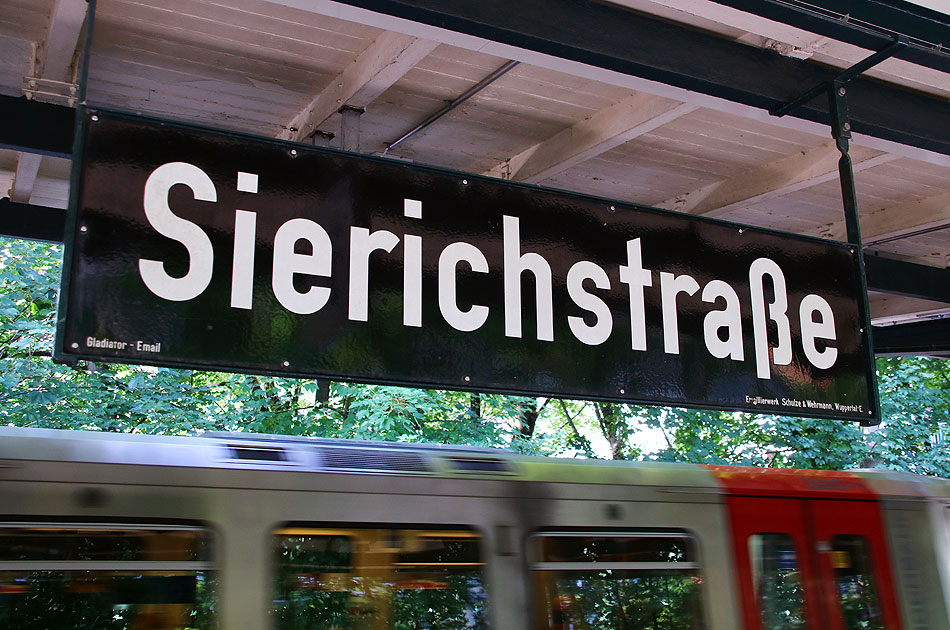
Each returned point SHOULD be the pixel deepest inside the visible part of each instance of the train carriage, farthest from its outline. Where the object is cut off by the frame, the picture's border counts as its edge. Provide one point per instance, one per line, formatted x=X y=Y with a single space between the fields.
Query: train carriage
x=247 y=531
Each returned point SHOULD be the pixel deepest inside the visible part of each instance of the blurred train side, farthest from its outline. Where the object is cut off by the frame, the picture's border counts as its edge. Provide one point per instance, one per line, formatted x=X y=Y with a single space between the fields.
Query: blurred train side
x=245 y=486
x=916 y=513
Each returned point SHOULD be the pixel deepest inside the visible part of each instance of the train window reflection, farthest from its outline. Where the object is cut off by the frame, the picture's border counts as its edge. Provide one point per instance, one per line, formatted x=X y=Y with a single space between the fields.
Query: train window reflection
x=71 y=577
x=776 y=576
x=616 y=581
x=854 y=579
x=403 y=579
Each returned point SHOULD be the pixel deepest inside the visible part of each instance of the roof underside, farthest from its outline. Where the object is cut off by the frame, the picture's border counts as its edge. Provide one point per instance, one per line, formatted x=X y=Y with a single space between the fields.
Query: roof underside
x=574 y=115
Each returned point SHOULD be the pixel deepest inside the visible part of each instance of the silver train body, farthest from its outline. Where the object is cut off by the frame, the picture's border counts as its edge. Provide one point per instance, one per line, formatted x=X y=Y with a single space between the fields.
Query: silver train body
x=526 y=513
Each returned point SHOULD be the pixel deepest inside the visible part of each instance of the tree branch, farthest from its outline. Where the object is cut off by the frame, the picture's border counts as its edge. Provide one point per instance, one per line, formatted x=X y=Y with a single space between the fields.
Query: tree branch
x=570 y=420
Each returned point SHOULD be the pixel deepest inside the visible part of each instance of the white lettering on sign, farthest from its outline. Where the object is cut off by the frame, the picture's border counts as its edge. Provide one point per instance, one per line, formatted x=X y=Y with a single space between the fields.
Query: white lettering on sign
x=671 y=286
x=412 y=269
x=451 y=256
x=166 y=223
x=638 y=278
x=824 y=328
x=288 y=263
x=781 y=353
x=245 y=227
x=597 y=333
x=362 y=244
x=515 y=264
x=585 y=281
x=729 y=319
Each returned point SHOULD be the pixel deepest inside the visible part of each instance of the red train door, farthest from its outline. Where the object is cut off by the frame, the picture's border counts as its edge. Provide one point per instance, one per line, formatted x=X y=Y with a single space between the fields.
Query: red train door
x=854 y=567
x=776 y=571
x=814 y=559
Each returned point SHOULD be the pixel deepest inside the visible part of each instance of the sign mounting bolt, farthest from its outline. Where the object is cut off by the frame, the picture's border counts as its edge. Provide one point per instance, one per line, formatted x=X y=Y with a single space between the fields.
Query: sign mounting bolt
x=465 y=181
x=94 y=118
x=846 y=126
x=740 y=230
x=613 y=208
x=842 y=91
x=286 y=363
x=83 y=228
x=623 y=391
x=467 y=379
x=74 y=345
x=293 y=153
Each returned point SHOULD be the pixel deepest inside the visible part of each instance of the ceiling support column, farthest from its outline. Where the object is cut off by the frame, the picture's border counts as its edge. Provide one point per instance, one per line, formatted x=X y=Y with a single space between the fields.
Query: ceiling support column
x=350 y=128
x=321 y=138
x=27 y=169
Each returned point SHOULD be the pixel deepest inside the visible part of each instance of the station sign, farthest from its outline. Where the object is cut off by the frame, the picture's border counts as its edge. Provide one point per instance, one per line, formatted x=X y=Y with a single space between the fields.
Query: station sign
x=204 y=249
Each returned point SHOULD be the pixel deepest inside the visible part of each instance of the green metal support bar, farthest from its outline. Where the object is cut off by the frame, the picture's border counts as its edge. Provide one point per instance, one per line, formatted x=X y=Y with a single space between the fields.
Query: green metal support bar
x=75 y=171
x=841 y=132
x=837 y=92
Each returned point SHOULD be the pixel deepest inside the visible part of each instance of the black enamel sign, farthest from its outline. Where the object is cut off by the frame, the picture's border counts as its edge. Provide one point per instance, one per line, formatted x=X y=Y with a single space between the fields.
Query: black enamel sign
x=208 y=250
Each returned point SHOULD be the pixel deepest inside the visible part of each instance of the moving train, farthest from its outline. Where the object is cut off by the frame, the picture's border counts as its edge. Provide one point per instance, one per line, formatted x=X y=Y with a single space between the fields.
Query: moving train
x=242 y=531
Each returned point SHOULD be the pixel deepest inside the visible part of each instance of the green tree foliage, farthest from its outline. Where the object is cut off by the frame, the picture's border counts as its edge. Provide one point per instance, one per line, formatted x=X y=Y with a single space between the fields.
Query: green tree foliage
x=710 y=437
x=915 y=400
x=36 y=392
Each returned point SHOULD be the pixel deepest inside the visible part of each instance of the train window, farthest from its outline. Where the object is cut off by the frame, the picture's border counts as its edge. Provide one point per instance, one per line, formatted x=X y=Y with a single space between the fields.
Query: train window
x=854 y=576
x=776 y=575
x=71 y=577
x=615 y=581
x=332 y=578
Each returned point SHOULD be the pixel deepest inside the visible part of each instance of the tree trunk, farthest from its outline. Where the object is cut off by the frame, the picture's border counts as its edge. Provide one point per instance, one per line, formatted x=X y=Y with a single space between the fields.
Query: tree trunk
x=527 y=419
x=613 y=427
x=475 y=405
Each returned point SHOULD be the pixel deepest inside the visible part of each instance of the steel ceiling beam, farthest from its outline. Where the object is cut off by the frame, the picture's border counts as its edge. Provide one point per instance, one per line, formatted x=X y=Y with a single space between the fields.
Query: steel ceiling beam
x=908 y=279
x=35 y=223
x=931 y=338
x=618 y=39
x=34 y=127
x=869 y=24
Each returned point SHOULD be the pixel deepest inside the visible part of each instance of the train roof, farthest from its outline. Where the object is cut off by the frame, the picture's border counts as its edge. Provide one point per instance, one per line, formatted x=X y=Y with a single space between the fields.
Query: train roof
x=249 y=451
x=304 y=454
